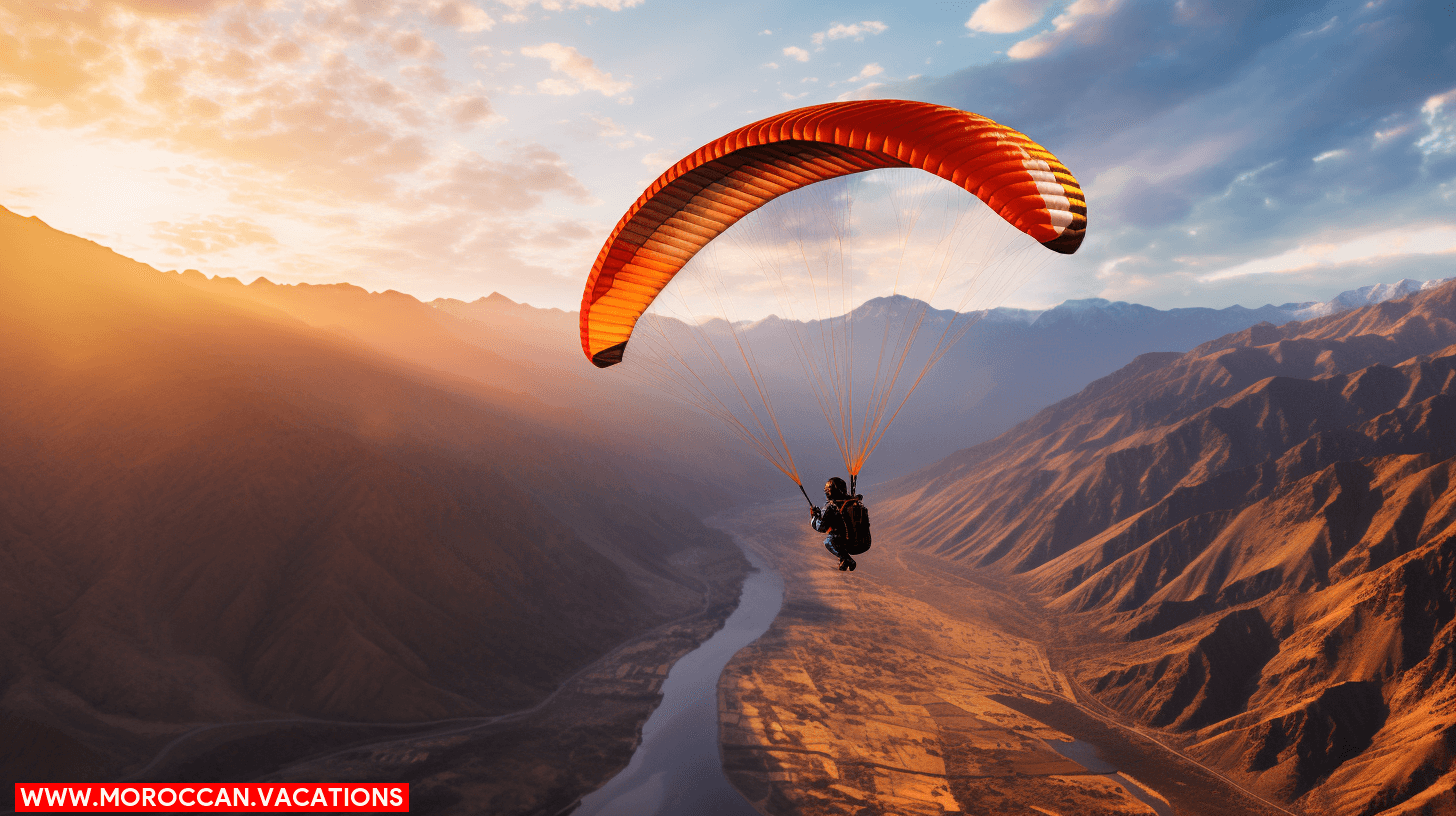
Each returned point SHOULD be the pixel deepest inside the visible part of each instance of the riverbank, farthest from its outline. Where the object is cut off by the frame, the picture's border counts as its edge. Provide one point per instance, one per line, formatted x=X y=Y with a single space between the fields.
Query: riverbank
x=906 y=688
x=677 y=769
x=540 y=761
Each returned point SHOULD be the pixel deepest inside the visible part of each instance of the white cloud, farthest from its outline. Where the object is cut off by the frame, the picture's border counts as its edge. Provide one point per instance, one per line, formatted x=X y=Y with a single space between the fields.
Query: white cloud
x=462 y=16
x=797 y=53
x=1065 y=25
x=552 y=86
x=583 y=73
x=1007 y=16
x=519 y=6
x=1440 y=122
x=1439 y=101
x=1379 y=246
x=661 y=159
x=769 y=65
x=866 y=91
x=609 y=128
x=857 y=31
x=1331 y=154
x=871 y=70
x=1383 y=136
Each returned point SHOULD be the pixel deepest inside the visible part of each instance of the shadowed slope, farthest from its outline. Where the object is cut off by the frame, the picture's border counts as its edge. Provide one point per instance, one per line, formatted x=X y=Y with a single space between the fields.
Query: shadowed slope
x=210 y=511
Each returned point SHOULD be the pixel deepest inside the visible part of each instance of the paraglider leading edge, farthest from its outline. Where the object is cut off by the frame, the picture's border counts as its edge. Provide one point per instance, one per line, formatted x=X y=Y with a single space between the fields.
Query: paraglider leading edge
x=706 y=192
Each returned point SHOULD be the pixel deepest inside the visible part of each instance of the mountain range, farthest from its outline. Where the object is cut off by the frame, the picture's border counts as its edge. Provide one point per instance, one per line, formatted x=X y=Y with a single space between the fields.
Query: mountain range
x=1251 y=547
x=225 y=504
x=1006 y=365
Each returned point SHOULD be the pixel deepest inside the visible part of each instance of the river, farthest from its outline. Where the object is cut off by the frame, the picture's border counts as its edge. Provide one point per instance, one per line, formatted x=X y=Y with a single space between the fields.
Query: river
x=1086 y=755
x=677 y=769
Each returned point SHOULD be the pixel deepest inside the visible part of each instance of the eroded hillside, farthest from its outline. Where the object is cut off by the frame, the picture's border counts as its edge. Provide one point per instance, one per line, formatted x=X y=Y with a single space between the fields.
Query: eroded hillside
x=1262 y=530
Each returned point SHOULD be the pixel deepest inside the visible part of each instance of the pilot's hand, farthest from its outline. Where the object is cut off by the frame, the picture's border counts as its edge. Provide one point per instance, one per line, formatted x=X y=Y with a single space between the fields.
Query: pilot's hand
x=813 y=511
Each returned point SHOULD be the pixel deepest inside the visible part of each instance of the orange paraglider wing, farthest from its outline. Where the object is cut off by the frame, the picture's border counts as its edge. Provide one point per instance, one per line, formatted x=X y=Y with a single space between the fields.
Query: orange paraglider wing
x=704 y=194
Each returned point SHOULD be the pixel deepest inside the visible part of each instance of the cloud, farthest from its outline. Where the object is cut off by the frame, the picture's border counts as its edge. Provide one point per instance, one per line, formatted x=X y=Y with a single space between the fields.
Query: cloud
x=464 y=17
x=1213 y=134
x=661 y=159
x=797 y=53
x=320 y=139
x=1375 y=247
x=414 y=45
x=188 y=8
x=562 y=232
x=285 y=51
x=581 y=72
x=514 y=184
x=1079 y=22
x=13 y=193
x=469 y=110
x=608 y=128
x=519 y=6
x=208 y=235
x=426 y=77
x=855 y=31
x=1006 y=16
x=466 y=256
x=604 y=127
x=871 y=70
x=1439 y=117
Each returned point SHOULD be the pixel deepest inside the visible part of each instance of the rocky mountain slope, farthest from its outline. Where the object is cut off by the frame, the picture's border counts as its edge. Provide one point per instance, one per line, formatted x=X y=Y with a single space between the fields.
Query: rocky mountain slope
x=1259 y=537
x=1009 y=364
x=214 y=510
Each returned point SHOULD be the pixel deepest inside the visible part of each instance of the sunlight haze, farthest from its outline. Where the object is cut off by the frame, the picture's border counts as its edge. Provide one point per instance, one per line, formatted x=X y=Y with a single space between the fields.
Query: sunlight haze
x=1231 y=152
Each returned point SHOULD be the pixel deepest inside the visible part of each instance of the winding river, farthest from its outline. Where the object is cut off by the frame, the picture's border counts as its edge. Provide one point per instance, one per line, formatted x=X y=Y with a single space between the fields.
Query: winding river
x=677 y=768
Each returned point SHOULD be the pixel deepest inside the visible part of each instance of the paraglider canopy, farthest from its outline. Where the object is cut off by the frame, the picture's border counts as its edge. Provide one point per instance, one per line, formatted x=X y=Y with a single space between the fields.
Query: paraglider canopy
x=706 y=192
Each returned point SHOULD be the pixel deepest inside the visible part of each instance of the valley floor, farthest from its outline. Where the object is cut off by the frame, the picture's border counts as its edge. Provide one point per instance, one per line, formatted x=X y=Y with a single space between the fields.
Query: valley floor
x=905 y=688
x=540 y=761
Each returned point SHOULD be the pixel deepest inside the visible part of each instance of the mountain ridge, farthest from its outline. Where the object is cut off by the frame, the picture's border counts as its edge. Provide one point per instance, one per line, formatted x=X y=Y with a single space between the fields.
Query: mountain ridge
x=1257 y=535
x=214 y=511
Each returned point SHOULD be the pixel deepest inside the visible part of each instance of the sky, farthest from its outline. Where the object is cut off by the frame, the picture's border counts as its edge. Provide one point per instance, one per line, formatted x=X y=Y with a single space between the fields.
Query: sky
x=1232 y=152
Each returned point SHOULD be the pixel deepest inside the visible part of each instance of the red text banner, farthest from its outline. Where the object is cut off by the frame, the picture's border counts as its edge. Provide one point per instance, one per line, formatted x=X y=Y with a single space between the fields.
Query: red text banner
x=177 y=797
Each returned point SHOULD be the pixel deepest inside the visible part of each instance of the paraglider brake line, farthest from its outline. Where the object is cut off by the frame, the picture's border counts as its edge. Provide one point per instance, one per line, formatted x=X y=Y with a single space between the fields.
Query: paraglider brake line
x=806 y=495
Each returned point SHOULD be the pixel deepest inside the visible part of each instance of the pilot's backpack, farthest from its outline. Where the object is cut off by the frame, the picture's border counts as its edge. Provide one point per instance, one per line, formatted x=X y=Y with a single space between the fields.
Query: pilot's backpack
x=856 y=525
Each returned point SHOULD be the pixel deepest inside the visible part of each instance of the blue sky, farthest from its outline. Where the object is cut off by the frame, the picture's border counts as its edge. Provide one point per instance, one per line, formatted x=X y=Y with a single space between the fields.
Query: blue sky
x=1233 y=152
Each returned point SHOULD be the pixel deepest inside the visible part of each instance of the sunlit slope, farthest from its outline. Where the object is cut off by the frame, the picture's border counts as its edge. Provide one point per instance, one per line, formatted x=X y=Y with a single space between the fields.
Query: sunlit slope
x=526 y=361
x=210 y=510
x=1264 y=530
